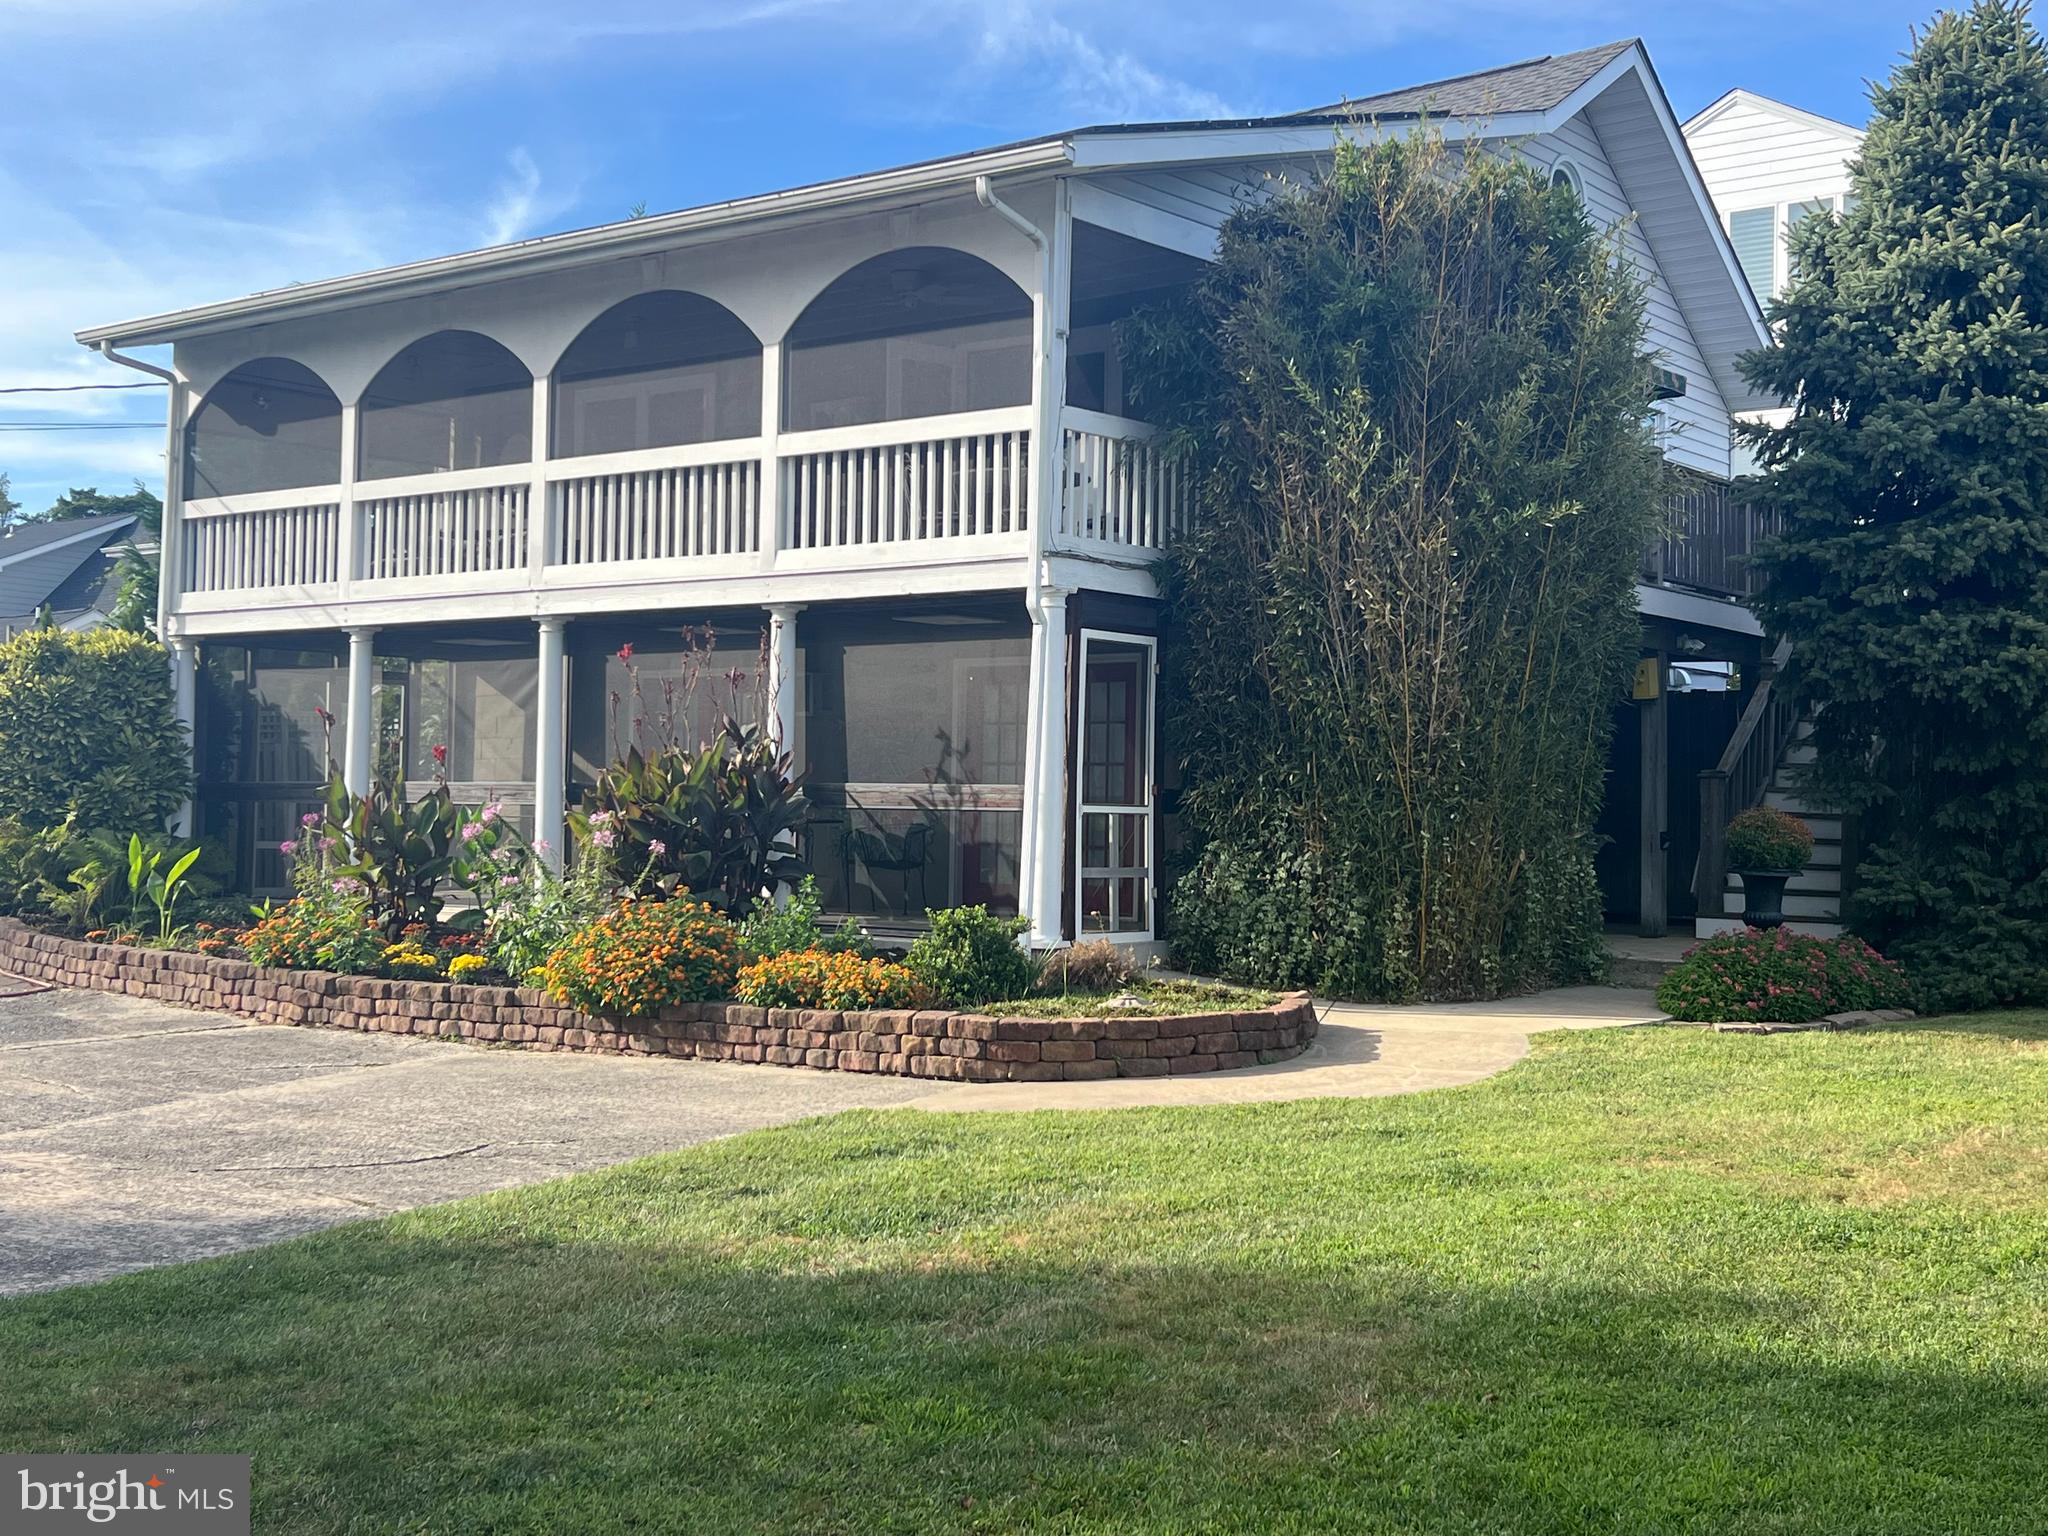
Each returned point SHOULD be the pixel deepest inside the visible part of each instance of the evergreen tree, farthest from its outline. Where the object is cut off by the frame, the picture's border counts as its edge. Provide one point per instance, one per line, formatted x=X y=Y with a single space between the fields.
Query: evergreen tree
x=1912 y=574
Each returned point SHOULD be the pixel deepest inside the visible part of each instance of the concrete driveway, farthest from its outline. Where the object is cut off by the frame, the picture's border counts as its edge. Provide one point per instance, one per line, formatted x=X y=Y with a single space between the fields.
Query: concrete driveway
x=134 y=1134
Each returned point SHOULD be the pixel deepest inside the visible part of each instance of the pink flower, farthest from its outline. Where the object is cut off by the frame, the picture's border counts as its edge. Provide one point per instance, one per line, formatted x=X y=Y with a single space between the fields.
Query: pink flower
x=287 y=847
x=471 y=831
x=542 y=845
x=327 y=845
x=310 y=819
x=348 y=885
x=490 y=812
x=626 y=651
x=508 y=880
x=604 y=837
x=656 y=847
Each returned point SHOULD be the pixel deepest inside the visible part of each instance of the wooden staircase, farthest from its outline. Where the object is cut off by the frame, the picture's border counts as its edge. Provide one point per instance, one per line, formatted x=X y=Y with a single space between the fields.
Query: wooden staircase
x=1762 y=766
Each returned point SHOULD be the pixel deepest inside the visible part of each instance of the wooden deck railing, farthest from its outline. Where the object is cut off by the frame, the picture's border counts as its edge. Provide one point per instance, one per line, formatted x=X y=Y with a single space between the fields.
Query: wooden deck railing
x=1708 y=542
x=1737 y=782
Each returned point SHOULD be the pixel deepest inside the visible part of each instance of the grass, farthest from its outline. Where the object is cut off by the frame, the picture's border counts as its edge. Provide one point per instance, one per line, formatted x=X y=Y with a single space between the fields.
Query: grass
x=1155 y=1000
x=1653 y=1280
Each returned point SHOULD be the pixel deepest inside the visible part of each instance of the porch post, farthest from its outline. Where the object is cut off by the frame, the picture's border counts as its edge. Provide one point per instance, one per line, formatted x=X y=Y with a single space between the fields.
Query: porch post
x=359 y=752
x=1043 y=872
x=550 y=790
x=185 y=708
x=1653 y=754
x=782 y=675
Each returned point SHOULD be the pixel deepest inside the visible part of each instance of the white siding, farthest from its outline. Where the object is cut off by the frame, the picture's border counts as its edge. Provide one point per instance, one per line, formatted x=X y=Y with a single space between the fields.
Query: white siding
x=1754 y=155
x=1694 y=428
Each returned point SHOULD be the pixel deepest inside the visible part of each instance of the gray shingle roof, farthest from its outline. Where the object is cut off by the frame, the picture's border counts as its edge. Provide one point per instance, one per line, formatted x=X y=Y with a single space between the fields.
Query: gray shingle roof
x=24 y=537
x=1534 y=85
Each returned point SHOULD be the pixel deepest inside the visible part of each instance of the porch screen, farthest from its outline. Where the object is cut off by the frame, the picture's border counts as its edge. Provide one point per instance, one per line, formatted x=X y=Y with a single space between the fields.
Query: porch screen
x=919 y=332
x=679 y=693
x=657 y=370
x=452 y=400
x=270 y=425
x=912 y=733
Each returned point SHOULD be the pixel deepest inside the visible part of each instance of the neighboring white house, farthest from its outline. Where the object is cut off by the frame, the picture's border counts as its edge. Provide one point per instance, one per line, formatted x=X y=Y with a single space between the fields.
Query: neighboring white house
x=1767 y=166
x=879 y=421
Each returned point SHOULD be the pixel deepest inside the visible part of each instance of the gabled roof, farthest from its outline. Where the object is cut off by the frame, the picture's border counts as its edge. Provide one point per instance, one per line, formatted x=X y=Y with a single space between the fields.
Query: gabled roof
x=39 y=562
x=1777 y=108
x=25 y=538
x=1534 y=85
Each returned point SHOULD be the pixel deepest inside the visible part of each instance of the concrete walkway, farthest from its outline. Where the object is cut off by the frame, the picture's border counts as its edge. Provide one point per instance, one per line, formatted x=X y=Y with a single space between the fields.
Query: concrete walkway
x=1363 y=1050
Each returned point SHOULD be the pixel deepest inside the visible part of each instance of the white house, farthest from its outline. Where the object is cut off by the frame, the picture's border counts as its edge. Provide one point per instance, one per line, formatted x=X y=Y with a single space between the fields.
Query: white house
x=1768 y=166
x=880 y=421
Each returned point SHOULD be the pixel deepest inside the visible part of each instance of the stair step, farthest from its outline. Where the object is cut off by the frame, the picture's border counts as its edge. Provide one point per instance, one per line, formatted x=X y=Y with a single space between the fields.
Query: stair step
x=1800 y=754
x=1707 y=927
x=1798 y=802
x=1824 y=908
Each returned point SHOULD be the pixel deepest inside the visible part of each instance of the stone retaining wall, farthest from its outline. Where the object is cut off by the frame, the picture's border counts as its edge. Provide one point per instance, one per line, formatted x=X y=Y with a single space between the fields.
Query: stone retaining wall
x=928 y=1043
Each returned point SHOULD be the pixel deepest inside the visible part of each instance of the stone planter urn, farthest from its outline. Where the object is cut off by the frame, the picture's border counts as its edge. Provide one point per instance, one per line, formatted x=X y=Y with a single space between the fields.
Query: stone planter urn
x=1766 y=847
x=1763 y=896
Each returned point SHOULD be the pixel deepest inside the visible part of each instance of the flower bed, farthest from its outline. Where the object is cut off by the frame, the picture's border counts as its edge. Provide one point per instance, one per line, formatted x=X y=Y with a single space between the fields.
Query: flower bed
x=932 y=1043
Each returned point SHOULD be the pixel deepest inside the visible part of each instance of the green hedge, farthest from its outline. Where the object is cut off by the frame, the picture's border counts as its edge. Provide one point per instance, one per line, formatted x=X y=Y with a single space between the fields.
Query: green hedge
x=87 y=726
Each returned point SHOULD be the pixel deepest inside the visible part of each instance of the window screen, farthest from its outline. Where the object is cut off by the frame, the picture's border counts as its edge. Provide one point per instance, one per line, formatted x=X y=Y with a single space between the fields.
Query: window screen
x=1753 y=232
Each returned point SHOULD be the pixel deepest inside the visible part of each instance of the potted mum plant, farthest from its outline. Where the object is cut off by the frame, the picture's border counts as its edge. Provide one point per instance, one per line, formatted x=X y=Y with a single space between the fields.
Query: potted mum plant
x=1767 y=847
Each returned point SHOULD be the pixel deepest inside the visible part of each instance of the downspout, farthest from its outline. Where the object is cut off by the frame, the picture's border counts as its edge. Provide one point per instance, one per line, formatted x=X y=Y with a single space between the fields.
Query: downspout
x=1036 y=758
x=171 y=535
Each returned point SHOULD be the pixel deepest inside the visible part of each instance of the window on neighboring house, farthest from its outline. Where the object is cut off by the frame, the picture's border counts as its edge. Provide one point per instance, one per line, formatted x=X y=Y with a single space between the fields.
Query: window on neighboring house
x=1754 y=234
x=1797 y=214
x=1565 y=174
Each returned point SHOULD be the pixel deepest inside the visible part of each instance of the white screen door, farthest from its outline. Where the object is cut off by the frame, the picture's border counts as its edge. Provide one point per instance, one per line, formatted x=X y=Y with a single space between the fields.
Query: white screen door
x=1114 y=841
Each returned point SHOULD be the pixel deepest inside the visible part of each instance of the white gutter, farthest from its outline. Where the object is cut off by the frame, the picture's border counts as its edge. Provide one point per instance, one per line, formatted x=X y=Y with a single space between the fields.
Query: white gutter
x=576 y=247
x=171 y=535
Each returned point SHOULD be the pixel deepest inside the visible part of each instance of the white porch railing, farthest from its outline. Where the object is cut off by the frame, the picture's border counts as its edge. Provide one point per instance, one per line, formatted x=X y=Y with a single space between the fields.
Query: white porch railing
x=1118 y=487
x=466 y=522
x=950 y=477
x=956 y=488
x=277 y=539
x=633 y=509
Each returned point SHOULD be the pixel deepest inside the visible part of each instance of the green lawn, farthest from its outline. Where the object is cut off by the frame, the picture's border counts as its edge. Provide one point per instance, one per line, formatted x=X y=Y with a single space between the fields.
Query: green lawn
x=1646 y=1281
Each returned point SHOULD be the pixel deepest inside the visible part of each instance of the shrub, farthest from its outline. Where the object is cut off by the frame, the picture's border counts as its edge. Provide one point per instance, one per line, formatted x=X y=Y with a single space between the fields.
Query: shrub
x=815 y=978
x=646 y=955
x=794 y=927
x=971 y=957
x=1780 y=977
x=1764 y=837
x=309 y=934
x=87 y=729
x=1094 y=965
x=546 y=911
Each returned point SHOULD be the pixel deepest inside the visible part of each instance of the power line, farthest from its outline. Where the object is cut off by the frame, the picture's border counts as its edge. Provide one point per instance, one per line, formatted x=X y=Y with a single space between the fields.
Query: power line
x=65 y=389
x=81 y=426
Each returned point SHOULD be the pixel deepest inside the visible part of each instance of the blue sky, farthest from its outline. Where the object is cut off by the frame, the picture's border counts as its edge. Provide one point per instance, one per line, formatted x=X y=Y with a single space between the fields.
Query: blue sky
x=159 y=153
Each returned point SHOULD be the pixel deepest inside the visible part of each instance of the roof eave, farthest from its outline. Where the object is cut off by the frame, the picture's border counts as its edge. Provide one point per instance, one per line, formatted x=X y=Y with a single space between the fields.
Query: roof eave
x=547 y=252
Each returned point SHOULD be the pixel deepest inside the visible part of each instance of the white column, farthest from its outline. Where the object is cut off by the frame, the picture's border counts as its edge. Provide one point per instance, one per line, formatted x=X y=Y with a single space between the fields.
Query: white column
x=1047 y=763
x=550 y=790
x=540 y=515
x=359 y=752
x=782 y=674
x=770 y=510
x=347 y=529
x=185 y=708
